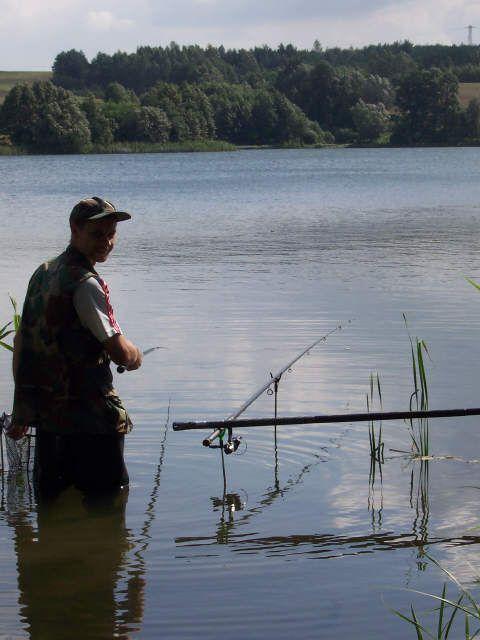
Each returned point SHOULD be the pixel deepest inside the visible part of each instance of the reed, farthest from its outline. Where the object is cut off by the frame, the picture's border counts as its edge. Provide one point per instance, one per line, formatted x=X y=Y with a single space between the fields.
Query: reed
x=419 y=428
x=11 y=326
x=447 y=611
x=375 y=437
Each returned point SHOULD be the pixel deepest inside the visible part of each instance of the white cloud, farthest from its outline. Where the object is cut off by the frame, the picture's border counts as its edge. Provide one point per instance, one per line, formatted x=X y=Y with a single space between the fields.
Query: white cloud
x=106 y=21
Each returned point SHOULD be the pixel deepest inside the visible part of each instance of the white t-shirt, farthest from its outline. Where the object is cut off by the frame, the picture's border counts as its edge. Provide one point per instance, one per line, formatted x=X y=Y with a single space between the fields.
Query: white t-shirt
x=92 y=304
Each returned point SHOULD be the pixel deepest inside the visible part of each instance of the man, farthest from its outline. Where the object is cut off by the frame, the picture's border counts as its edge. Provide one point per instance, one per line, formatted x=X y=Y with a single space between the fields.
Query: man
x=61 y=362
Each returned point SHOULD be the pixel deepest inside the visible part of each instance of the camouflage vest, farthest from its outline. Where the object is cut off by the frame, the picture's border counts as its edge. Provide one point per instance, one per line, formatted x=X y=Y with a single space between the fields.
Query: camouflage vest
x=63 y=382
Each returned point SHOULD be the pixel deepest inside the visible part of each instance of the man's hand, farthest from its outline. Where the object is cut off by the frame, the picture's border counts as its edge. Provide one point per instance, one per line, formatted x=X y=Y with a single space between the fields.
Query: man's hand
x=123 y=352
x=138 y=361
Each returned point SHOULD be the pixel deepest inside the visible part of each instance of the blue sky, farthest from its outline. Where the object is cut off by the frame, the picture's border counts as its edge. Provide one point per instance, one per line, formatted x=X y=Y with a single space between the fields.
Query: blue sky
x=33 y=32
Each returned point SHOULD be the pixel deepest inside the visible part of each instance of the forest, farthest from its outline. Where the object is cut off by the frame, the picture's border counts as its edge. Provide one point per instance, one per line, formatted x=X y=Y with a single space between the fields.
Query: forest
x=387 y=94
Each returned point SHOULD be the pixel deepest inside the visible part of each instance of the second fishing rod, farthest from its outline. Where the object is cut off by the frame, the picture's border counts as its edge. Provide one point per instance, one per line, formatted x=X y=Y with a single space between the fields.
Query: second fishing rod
x=271 y=385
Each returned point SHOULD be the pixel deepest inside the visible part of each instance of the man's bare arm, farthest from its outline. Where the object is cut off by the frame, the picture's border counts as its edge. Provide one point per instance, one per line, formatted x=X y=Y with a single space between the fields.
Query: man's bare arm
x=123 y=352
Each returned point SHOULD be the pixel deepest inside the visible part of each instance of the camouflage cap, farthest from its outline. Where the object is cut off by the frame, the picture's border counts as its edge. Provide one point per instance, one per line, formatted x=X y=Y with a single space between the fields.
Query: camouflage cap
x=96 y=208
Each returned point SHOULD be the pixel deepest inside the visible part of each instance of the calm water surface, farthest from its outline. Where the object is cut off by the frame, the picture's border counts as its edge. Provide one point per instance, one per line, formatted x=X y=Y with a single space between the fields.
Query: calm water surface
x=235 y=262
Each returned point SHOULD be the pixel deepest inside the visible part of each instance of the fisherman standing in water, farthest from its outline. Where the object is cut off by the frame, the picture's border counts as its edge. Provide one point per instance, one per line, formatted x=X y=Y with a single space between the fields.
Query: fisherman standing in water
x=61 y=363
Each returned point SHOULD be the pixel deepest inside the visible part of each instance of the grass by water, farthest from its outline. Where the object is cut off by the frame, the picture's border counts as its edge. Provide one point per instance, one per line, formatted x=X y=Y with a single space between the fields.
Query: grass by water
x=135 y=147
x=164 y=147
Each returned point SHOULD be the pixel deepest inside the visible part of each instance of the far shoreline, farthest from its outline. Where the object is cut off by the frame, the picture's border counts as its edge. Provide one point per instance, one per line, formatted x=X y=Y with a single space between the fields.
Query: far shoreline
x=213 y=146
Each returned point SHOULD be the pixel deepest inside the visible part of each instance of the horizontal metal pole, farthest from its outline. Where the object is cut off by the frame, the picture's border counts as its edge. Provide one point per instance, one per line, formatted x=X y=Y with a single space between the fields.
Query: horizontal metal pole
x=342 y=417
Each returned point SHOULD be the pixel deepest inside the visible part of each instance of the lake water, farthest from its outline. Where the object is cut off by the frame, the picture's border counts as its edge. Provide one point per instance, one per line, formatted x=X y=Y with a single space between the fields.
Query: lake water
x=234 y=263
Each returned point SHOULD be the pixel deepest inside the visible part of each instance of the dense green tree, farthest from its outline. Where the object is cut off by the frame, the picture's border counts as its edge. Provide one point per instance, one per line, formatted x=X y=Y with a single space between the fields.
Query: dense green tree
x=232 y=108
x=370 y=120
x=467 y=73
x=377 y=89
x=101 y=127
x=198 y=113
x=245 y=65
x=45 y=117
x=187 y=108
x=292 y=125
x=168 y=98
x=71 y=70
x=429 y=108
x=18 y=115
x=121 y=115
x=116 y=92
x=146 y=124
x=322 y=96
x=276 y=120
x=263 y=119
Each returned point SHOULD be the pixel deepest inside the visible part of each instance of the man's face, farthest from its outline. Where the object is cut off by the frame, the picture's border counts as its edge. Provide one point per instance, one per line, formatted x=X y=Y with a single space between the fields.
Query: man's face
x=95 y=239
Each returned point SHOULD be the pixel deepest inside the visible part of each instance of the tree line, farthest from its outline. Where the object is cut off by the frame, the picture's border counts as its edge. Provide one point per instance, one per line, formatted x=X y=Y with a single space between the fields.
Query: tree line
x=400 y=94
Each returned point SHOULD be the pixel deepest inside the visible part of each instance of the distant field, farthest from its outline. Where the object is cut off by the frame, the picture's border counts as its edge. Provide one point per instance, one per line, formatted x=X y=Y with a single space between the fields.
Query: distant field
x=9 y=78
x=467 y=91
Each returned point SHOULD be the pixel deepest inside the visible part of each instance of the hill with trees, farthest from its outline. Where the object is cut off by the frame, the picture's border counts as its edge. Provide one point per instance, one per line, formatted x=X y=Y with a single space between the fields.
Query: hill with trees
x=393 y=93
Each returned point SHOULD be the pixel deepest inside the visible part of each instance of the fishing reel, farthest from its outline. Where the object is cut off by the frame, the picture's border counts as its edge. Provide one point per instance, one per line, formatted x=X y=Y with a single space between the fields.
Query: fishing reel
x=232 y=444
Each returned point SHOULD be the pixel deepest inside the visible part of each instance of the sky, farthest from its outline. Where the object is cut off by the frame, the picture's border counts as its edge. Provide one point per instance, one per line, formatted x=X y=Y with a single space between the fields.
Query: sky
x=32 y=32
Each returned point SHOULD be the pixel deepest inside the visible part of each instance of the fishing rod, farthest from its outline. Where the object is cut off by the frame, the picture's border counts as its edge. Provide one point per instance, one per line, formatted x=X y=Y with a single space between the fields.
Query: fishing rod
x=232 y=443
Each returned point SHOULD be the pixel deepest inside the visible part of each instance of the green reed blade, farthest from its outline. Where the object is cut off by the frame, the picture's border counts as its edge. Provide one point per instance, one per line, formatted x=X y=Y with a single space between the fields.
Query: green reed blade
x=5 y=326
x=456 y=609
x=442 y=609
x=379 y=390
x=417 y=624
x=414 y=370
x=6 y=346
x=451 y=603
x=473 y=283
x=447 y=572
x=16 y=316
x=422 y=372
x=413 y=621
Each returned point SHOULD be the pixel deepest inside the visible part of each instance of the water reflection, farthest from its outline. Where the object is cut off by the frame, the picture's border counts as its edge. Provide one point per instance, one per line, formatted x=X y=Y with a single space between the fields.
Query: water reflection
x=69 y=562
x=77 y=560
x=375 y=493
x=230 y=503
x=235 y=514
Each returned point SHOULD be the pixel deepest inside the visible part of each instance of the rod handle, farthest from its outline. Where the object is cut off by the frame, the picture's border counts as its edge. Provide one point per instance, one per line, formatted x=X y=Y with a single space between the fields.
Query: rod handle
x=208 y=441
